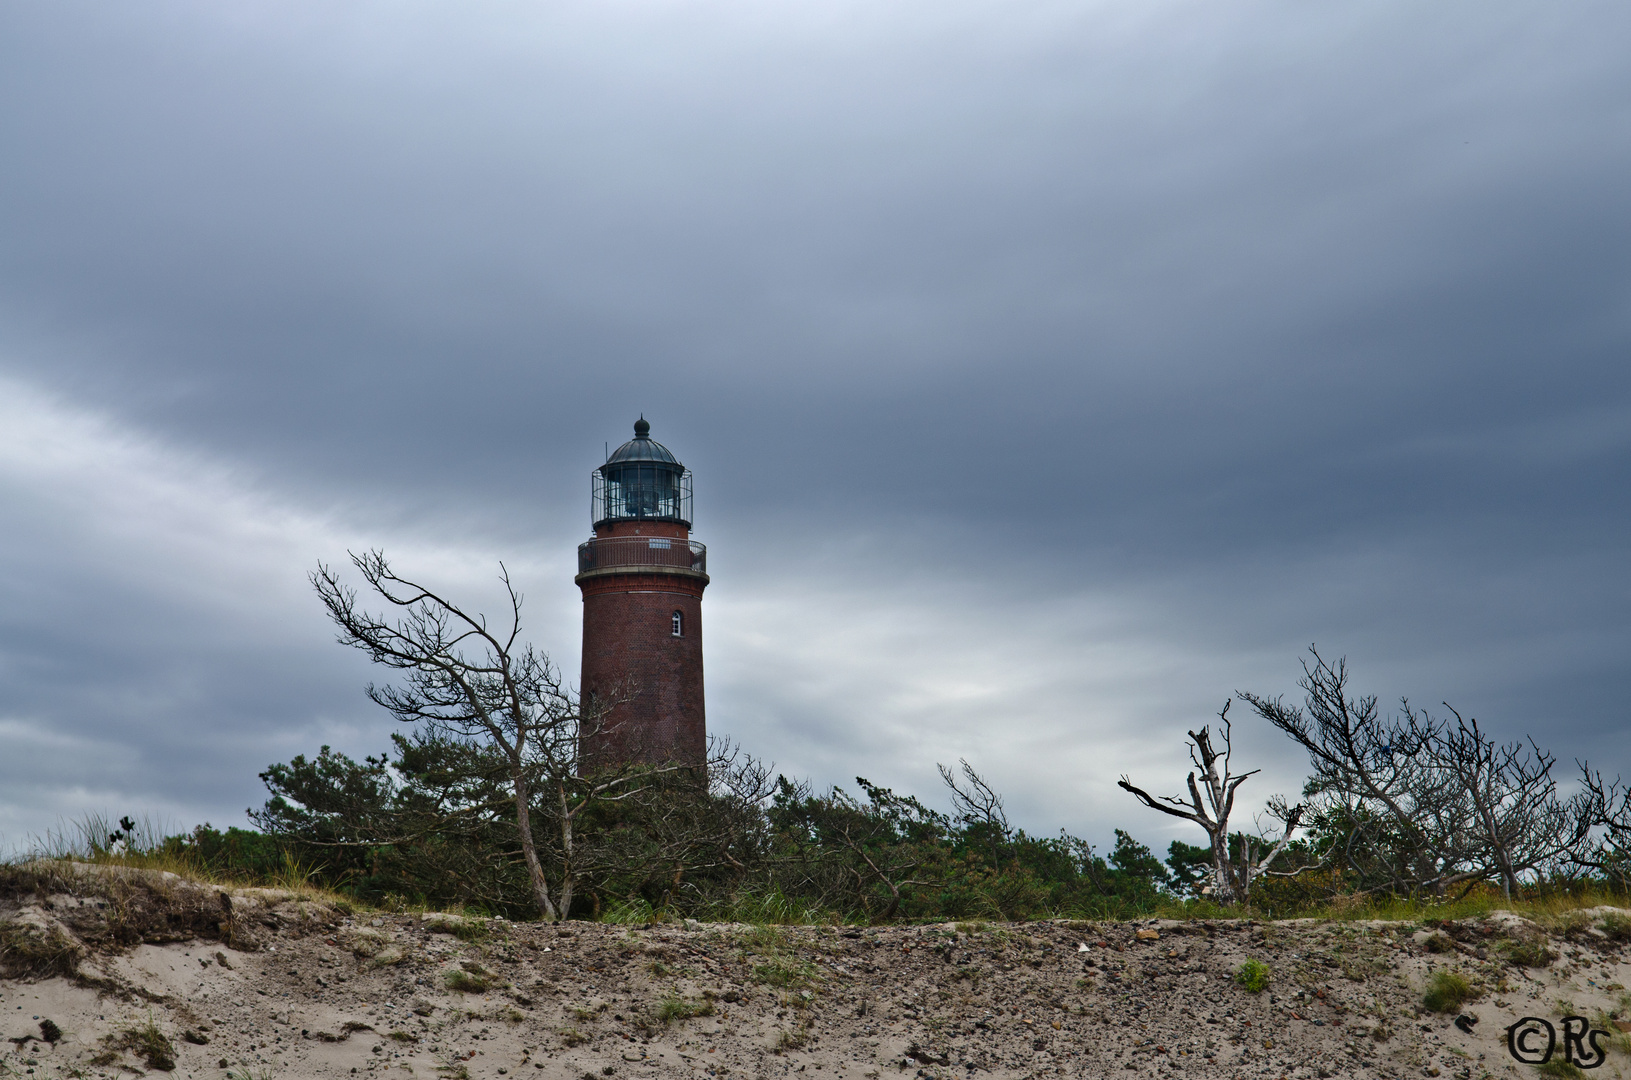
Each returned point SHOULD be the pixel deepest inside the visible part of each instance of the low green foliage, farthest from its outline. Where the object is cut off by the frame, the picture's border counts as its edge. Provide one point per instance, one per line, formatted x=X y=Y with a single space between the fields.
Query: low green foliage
x=784 y=974
x=674 y=1008
x=462 y=927
x=1446 y=992
x=1527 y=952
x=1254 y=976
x=1564 y=1070
x=469 y=978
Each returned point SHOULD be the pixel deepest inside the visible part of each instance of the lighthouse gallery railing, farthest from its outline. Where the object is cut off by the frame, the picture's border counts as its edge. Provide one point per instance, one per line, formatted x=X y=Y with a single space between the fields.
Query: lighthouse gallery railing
x=640 y=551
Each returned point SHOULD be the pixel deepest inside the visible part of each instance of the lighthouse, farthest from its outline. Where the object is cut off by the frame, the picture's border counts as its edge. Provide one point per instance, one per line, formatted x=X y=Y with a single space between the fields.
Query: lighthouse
x=642 y=578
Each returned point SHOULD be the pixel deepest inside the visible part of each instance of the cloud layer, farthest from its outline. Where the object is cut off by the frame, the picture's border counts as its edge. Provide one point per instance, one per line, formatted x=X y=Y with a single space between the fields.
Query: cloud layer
x=1048 y=372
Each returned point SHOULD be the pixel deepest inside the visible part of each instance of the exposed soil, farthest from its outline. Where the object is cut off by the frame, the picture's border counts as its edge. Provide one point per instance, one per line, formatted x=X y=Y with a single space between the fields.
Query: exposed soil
x=125 y=965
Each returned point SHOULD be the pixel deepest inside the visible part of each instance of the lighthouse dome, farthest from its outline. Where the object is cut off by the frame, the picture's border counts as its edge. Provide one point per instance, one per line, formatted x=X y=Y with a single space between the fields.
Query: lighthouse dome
x=643 y=448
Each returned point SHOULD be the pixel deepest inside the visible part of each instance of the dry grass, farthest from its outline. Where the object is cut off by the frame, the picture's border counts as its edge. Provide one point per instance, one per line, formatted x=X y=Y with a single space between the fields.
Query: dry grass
x=1545 y=908
x=31 y=952
x=146 y=1042
x=132 y=906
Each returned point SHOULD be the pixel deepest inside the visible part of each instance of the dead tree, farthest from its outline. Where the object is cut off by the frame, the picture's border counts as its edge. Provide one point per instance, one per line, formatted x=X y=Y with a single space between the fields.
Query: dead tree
x=1210 y=804
x=978 y=809
x=1399 y=816
x=1420 y=803
x=1602 y=812
x=1516 y=823
x=467 y=681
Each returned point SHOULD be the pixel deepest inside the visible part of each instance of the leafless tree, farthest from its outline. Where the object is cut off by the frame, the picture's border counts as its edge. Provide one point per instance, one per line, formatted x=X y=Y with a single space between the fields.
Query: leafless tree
x=1516 y=823
x=1210 y=805
x=1422 y=803
x=466 y=680
x=978 y=808
x=1602 y=809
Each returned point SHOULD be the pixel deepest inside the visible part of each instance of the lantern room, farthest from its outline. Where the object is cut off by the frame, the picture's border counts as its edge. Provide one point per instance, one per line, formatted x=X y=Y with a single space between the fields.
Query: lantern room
x=641 y=481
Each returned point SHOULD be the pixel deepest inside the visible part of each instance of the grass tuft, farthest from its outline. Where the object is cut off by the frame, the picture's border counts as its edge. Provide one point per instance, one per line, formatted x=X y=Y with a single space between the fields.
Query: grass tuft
x=1439 y=942
x=674 y=1007
x=1254 y=976
x=1528 y=952
x=1446 y=992
x=459 y=926
x=470 y=979
x=146 y=1042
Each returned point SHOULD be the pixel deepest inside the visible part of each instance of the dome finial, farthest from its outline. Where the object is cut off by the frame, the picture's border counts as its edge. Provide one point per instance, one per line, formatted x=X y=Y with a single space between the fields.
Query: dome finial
x=642 y=430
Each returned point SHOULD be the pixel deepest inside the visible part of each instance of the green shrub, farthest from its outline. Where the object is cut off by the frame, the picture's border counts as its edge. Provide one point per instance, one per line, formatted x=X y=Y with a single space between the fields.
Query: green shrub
x=1560 y=1068
x=1446 y=992
x=679 y=1008
x=1254 y=976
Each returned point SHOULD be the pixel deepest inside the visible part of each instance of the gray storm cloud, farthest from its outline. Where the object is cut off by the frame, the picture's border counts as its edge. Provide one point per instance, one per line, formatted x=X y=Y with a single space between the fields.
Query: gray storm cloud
x=1048 y=371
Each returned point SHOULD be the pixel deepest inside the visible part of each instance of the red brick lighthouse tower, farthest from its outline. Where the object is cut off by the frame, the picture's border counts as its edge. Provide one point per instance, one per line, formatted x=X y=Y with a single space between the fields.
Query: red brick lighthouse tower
x=642 y=578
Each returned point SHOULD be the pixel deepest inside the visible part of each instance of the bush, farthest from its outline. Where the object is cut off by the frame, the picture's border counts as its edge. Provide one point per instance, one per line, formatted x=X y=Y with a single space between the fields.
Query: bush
x=1254 y=976
x=1447 y=991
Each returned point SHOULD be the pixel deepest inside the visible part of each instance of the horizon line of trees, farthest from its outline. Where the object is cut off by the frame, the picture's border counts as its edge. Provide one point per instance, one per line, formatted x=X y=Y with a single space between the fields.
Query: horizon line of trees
x=482 y=804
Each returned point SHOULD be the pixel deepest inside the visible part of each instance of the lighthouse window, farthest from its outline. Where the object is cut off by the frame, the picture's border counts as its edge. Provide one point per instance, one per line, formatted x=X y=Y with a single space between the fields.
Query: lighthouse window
x=678 y=624
x=659 y=543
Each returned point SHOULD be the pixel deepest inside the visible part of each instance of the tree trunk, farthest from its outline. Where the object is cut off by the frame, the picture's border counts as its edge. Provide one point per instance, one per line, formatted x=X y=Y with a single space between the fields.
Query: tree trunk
x=566 y=854
x=529 y=850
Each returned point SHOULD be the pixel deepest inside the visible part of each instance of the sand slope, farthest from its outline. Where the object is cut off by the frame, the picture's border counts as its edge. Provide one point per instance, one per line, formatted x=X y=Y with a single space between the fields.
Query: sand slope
x=288 y=987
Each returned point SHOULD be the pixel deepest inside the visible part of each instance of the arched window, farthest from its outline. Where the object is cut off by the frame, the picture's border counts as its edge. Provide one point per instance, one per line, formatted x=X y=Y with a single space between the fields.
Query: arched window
x=678 y=624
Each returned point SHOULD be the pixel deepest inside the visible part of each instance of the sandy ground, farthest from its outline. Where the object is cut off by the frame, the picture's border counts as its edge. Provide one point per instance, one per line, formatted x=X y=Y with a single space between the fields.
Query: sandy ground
x=318 y=993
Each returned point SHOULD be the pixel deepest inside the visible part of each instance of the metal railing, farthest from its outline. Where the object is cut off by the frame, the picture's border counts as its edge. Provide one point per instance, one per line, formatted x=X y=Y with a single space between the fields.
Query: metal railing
x=642 y=551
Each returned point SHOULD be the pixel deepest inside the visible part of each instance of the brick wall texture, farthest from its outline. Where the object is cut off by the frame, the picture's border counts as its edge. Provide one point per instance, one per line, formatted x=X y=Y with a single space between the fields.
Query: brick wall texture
x=632 y=657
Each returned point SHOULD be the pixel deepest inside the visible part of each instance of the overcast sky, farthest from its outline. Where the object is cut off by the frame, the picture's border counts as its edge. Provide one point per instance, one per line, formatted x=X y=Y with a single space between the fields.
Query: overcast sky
x=1049 y=371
